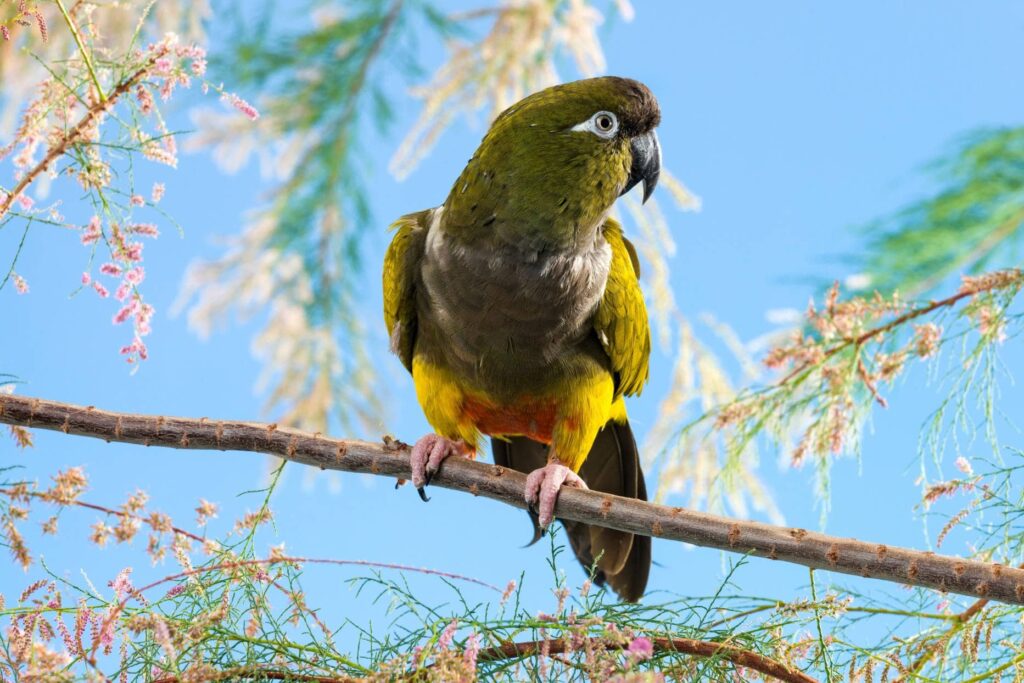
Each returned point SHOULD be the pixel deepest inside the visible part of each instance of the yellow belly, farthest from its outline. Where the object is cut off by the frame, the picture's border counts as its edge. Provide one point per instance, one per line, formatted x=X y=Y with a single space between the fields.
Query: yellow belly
x=567 y=415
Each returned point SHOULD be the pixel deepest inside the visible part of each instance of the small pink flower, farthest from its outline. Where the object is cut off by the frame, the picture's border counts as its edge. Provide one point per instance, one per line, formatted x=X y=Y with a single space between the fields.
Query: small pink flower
x=125 y=312
x=199 y=66
x=175 y=591
x=158 y=192
x=241 y=105
x=942 y=606
x=133 y=251
x=471 y=652
x=19 y=284
x=641 y=648
x=144 y=98
x=147 y=229
x=101 y=290
x=964 y=466
x=162 y=64
x=509 y=590
x=136 y=348
x=121 y=294
x=138 y=200
x=86 y=278
x=122 y=585
x=92 y=231
x=136 y=275
x=25 y=201
x=111 y=269
x=445 y=641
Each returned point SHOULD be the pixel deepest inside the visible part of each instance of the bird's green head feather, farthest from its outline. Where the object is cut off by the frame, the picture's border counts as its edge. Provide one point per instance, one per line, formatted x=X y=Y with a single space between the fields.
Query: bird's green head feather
x=552 y=164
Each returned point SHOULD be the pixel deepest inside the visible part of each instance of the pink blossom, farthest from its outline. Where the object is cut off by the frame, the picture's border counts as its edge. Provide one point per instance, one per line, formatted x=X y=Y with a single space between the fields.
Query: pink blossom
x=121 y=294
x=137 y=347
x=147 y=229
x=641 y=648
x=86 y=278
x=142 y=317
x=122 y=585
x=472 y=650
x=964 y=466
x=175 y=591
x=144 y=98
x=509 y=590
x=133 y=251
x=100 y=289
x=199 y=66
x=92 y=231
x=138 y=200
x=111 y=269
x=19 y=284
x=162 y=64
x=124 y=314
x=136 y=275
x=158 y=192
x=241 y=105
x=167 y=89
x=445 y=641
x=25 y=201
x=153 y=151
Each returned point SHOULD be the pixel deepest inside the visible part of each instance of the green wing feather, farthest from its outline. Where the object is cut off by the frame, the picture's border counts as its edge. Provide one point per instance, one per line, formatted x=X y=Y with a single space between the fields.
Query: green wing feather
x=401 y=264
x=621 y=318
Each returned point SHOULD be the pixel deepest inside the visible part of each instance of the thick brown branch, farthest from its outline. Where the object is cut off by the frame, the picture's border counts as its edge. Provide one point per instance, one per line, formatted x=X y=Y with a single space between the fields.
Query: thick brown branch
x=391 y=459
x=698 y=648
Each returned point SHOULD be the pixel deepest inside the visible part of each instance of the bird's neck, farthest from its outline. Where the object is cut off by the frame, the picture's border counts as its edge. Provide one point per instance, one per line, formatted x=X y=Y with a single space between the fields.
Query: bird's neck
x=491 y=211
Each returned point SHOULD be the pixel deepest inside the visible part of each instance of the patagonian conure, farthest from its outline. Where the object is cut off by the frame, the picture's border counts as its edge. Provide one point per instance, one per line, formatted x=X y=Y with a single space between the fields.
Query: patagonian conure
x=516 y=306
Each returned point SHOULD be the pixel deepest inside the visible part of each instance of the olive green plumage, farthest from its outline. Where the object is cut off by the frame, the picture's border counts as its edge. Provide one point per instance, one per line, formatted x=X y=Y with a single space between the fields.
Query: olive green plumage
x=516 y=304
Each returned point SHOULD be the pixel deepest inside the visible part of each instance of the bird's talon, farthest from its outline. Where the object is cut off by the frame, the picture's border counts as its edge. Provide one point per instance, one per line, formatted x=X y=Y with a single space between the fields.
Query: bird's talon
x=423 y=495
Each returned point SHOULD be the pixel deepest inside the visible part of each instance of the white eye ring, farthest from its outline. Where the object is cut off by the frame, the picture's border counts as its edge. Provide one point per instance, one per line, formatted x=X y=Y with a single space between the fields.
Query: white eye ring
x=603 y=124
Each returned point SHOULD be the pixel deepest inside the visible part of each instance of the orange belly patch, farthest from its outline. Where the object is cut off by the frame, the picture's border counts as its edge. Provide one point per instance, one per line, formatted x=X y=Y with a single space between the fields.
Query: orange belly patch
x=534 y=419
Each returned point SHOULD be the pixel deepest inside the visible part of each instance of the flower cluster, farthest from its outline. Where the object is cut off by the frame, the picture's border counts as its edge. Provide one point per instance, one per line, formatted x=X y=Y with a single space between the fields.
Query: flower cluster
x=69 y=128
x=27 y=15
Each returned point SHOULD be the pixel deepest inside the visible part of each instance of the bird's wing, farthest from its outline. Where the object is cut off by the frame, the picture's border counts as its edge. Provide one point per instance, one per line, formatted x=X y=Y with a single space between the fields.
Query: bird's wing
x=401 y=268
x=621 y=318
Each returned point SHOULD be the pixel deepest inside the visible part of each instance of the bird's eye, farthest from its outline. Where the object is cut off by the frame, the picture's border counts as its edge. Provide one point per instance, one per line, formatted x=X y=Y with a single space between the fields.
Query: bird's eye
x=603 y=124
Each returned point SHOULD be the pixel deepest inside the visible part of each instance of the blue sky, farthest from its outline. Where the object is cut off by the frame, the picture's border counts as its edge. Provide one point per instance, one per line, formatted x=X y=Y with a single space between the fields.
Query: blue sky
x=794 y=122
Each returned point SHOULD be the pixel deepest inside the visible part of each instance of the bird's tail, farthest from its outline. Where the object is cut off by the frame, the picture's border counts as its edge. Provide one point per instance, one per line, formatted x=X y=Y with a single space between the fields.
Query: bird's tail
x=622 y=559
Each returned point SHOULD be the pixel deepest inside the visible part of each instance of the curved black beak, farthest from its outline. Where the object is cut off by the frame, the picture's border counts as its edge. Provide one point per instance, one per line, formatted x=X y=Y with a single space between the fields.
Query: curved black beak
x=646 y=163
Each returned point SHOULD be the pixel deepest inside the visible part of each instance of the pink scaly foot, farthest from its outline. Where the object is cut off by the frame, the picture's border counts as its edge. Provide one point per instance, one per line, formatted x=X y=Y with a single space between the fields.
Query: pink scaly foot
x=544 y=484
x=427 y=456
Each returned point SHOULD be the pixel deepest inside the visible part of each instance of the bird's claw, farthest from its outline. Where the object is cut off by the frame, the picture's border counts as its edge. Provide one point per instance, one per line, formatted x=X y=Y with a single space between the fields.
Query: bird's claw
x=542 y=487
x=427 y=455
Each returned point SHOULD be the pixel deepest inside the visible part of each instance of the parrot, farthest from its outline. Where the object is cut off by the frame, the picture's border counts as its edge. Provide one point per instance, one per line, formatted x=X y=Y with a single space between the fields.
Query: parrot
x=516 y=307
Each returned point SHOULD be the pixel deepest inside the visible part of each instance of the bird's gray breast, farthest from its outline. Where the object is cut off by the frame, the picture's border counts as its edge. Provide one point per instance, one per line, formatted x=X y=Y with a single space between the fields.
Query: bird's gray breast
x=500 y=314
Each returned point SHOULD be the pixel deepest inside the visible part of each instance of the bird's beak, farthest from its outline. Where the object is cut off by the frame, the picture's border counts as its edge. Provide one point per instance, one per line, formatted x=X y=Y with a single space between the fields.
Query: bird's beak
x=646 y=163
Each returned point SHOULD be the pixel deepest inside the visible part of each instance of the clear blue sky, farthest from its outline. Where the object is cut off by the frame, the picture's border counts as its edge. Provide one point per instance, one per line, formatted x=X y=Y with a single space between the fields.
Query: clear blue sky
x=793 y=122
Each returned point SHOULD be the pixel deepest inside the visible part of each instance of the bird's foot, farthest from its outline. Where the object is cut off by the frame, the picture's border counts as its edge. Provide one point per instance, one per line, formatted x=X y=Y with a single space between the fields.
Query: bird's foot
x=542 y=486
x=427 y=456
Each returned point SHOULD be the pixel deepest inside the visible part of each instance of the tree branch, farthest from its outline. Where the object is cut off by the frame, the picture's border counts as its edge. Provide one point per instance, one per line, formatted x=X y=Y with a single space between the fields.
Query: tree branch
x=697 y=648
x=391 y=459
x=77 y=133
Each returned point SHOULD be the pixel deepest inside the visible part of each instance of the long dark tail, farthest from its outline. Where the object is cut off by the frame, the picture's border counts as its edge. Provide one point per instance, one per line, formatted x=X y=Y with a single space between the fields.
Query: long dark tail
x=613 y=466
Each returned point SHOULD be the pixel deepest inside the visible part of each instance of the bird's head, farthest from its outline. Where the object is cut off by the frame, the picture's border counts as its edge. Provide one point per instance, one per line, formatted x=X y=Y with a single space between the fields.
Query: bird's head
x=553 y=164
